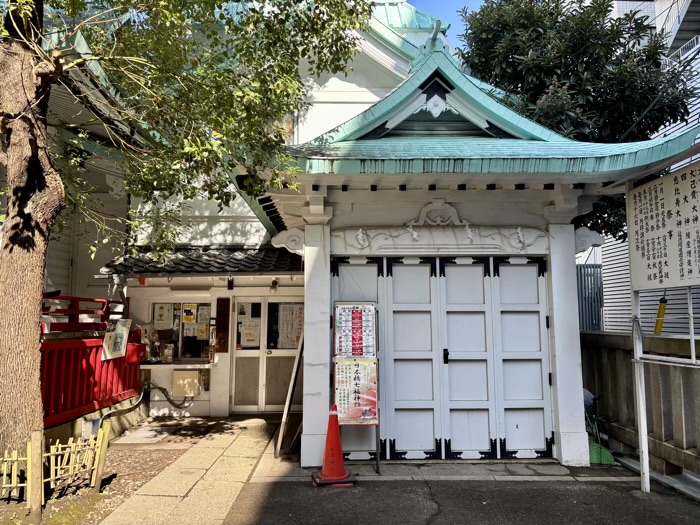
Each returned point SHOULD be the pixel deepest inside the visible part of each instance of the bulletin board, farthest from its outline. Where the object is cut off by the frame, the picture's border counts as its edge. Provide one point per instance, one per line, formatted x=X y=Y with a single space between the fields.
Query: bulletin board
x=663 y=224
x=356 y=365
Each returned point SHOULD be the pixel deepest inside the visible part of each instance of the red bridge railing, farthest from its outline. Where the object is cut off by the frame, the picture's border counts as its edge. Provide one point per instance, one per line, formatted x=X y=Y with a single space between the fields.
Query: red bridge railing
x=76 y=381
x=76 y=314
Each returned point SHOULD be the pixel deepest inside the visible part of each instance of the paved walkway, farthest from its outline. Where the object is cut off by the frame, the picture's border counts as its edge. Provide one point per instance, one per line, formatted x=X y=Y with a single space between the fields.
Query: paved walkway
x=230 y=476
x=201 y=486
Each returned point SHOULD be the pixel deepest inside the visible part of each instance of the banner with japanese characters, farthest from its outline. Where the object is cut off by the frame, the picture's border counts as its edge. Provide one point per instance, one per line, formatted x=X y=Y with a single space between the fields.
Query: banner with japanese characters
x=663 y=224
x=355 y=330
x=356 y=391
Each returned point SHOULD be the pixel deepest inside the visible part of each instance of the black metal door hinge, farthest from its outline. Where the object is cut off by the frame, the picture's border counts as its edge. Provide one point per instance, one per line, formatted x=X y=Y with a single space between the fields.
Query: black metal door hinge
x=550 y=379
x=546 y=320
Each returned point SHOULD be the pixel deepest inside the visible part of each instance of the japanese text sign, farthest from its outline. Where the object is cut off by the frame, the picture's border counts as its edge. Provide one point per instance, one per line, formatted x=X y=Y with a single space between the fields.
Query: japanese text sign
x=663 y=224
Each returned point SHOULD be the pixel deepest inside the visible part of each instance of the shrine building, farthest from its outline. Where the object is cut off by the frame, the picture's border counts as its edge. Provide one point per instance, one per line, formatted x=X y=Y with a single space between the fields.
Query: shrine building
x=421 y=192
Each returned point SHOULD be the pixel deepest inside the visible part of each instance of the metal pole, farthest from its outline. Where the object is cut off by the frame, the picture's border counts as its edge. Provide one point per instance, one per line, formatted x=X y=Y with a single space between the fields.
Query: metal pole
x=691 y=325
x=640 y=395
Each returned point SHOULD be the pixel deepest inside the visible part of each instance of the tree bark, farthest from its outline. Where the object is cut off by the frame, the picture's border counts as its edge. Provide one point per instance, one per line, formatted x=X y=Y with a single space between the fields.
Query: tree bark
x=35 y=197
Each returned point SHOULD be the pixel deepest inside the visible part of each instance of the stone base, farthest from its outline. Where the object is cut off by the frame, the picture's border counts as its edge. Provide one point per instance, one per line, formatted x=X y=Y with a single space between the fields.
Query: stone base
x=120 y=422
x=312 y=449
x=571 y=449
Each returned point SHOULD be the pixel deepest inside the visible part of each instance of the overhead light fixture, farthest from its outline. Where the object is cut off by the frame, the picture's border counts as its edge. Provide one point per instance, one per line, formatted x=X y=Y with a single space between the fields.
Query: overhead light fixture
x=273 y=286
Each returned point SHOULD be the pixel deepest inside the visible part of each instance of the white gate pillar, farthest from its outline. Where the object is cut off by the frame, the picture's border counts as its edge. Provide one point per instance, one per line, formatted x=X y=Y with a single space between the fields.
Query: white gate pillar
x=317 y=343
x=571 y=440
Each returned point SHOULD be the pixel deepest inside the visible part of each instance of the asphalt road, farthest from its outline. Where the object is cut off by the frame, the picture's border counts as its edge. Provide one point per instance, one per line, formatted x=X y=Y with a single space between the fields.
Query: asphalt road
x=462 y=502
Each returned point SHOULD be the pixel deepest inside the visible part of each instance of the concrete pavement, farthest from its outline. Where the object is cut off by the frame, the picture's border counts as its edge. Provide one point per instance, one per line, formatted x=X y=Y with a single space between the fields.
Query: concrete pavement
x=426 y=502
x=229 y=476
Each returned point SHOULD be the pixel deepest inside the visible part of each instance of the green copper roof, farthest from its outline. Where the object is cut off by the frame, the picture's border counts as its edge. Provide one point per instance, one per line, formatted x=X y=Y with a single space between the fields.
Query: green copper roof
x=402 y=16
x=397 y=135
x=469 y=93
x=477 y=156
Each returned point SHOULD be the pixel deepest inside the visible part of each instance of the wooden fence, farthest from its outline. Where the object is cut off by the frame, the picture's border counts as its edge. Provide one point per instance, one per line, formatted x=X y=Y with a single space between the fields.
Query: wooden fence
x=64 y=464
x=672 y=397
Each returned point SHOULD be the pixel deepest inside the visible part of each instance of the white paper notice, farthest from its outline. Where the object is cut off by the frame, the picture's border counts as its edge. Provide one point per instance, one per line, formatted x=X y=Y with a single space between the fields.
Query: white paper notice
x=663 y=224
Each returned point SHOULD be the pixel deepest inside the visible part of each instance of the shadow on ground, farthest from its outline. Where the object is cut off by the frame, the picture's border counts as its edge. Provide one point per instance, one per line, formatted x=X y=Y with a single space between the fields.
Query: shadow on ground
x=461 y=502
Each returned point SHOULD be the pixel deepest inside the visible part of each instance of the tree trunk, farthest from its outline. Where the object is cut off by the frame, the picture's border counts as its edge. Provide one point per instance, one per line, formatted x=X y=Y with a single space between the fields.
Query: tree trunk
x=35 y=197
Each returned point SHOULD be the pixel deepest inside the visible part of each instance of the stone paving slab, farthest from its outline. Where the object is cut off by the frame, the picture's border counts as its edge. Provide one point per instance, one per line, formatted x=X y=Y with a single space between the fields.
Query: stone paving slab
x=208 y=499
x=534 y=478
x=217 y=440
x=246 y=446
x=231 y=469
x=172 y=482
x=625 y=479
x=142 y=510
x=188 y=520
x=200 y=458
x=271 y=467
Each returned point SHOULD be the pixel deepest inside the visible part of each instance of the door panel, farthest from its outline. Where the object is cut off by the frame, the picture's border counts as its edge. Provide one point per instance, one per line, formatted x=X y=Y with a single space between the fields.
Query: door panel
x=468 y=405
x=522 y=358
x=246 y=382
x=463 y=353
x=267 y=331
x=361 y=279
x=412 y=359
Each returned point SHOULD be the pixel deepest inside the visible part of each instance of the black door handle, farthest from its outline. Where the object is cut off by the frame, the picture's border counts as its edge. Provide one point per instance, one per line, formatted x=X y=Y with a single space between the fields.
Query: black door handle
x=445 y=355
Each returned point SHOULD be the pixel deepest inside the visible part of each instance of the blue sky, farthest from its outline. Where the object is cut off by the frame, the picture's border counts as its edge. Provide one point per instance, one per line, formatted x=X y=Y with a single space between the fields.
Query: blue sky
x=447 y=10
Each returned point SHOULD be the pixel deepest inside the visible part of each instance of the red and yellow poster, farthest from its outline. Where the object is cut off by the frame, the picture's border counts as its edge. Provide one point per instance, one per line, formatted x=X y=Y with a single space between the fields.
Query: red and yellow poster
x=356 y=391
x=355 y=331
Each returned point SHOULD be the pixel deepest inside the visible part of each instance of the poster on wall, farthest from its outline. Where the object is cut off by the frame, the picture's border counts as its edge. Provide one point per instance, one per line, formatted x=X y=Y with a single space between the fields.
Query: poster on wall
x=356 y=391
x=189 y=330
x=245 y=309
x=203 y=313
x=115 y=340
x=250 y=332
x=163 y=316
x=355 y=330
x=291 y=325
x=663 y=223
x=189 y=313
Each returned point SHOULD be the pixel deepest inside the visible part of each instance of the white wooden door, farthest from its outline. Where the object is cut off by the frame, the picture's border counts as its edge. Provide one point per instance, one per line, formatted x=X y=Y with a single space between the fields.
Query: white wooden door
x=467 y=360
x=522 y=358
x=468 y=364
x=413 y=359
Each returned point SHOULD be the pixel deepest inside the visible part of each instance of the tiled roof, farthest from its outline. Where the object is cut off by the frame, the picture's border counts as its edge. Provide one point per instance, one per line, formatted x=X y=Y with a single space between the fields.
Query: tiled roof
x=188 y=260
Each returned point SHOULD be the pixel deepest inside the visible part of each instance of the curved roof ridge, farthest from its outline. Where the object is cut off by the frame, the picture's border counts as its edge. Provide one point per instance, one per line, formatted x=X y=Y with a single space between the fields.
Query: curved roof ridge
x=473 y=97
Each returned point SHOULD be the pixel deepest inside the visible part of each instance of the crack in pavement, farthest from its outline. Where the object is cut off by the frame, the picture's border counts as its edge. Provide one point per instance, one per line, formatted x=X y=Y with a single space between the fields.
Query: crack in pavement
x=432 y=519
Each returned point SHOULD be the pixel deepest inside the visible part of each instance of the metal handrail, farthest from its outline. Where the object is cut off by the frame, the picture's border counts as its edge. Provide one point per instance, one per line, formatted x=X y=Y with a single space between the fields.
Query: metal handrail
x=673 y=18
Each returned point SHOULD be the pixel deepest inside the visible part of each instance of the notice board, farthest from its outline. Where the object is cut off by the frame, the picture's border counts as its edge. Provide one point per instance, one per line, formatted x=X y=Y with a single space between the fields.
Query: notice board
x=663 y=224
x=356 y=371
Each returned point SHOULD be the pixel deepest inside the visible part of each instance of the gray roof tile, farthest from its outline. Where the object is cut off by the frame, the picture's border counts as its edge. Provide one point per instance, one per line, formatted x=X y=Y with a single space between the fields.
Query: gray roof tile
x=187 y=260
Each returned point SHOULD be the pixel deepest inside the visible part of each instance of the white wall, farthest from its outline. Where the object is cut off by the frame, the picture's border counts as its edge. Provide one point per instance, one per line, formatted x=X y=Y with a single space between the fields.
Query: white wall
x=206 y=225
x=337 y=99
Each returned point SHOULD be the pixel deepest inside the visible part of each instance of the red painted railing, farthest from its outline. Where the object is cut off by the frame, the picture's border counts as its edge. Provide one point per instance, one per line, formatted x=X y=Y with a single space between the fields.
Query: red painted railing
x=76 y=381
x=76 y=314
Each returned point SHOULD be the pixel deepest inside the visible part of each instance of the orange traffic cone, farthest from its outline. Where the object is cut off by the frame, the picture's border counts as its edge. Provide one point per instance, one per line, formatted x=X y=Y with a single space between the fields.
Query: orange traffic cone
x=333 y=473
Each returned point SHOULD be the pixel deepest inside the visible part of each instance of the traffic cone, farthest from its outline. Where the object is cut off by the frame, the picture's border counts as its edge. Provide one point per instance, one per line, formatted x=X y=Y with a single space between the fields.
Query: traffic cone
x=333 y=473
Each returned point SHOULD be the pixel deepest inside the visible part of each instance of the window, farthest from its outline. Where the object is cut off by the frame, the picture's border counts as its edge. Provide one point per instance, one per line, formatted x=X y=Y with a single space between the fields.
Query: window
x=182 y=328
